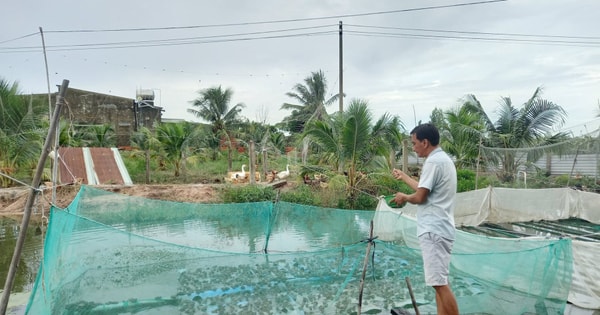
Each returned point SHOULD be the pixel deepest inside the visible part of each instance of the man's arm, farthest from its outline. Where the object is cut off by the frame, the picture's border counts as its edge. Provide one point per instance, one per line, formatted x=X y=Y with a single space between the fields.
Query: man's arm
x=400 y=175
x=418 y=197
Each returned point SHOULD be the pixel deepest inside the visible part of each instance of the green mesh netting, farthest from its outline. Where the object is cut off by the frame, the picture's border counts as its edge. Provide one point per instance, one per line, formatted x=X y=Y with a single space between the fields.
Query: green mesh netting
x=110 y=253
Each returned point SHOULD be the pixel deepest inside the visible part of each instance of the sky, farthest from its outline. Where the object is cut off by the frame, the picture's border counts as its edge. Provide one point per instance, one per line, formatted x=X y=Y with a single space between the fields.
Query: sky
x=404 y=57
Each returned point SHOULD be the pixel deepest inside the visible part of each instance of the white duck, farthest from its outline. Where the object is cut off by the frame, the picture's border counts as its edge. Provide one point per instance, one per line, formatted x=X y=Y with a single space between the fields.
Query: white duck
x=284 y=174
x=239 y=175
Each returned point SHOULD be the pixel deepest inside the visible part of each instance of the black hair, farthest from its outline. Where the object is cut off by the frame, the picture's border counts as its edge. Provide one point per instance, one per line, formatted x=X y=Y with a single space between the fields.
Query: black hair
x=427 y=131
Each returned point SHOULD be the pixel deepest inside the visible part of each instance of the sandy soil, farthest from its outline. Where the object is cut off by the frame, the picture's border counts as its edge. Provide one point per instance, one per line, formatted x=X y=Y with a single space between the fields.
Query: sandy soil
x=13 y=200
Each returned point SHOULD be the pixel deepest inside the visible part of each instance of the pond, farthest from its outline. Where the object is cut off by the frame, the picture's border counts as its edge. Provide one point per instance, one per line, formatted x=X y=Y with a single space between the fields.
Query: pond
x=193 y=232
x=31 y=254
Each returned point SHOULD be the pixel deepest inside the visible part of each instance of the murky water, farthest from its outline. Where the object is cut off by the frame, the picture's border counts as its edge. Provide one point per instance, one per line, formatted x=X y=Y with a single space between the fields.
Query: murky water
x=31 y=254
x=189 y=232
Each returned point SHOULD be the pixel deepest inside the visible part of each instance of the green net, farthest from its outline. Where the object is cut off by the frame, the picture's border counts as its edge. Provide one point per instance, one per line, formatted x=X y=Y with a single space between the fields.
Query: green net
x=109 y=253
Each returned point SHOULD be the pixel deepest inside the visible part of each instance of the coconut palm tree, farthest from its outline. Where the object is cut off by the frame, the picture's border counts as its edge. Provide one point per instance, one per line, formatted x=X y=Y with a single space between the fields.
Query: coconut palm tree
x=213 y=105
x=312 y=100
x=461 y=136
x=531 y=125
x=144 y=140
x=69 y=136
x=23 y=125
x=175 y=139
x=101 y=136
x=351 y=142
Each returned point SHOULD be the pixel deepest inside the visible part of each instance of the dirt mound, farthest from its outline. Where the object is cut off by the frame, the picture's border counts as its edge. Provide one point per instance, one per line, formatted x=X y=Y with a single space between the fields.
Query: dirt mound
x=13 y=200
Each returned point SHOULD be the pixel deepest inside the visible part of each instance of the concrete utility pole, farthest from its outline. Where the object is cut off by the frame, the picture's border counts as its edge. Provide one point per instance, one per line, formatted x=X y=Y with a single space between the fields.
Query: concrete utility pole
x=341 y=93
x=35 y=184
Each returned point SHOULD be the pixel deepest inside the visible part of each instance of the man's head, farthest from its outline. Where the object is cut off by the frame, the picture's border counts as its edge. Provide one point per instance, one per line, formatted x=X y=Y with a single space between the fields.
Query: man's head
x=425 y=138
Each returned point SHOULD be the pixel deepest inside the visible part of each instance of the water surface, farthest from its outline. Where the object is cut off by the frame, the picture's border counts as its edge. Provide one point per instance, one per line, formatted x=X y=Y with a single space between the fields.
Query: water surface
x=31 y=254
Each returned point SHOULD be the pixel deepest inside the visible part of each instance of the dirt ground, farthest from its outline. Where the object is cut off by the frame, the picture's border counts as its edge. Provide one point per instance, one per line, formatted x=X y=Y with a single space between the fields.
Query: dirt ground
x=13 y=200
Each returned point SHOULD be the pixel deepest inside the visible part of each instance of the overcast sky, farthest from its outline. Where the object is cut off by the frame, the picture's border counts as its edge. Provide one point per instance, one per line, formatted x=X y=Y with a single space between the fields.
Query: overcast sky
x=403 y=57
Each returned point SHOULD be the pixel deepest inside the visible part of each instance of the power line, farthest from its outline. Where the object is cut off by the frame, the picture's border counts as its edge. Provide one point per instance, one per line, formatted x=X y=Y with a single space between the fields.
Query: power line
x=182 y=39
x=505 y=40
x=20 y=37
x=231 y=38
x=150 y=44
x=277 y=21
x=472 y=32
x=223 y=37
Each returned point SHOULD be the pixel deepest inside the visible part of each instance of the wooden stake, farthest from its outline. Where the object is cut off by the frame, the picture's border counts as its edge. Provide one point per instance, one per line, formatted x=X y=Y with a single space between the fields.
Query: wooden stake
x=412 y=296
x=365 y=263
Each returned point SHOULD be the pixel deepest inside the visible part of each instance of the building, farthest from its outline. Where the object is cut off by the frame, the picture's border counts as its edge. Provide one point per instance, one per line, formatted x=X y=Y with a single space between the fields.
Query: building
x=126 y=115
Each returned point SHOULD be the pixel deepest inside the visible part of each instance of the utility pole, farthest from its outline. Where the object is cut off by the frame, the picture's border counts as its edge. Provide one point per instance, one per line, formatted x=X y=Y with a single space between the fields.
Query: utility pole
x=341 y=58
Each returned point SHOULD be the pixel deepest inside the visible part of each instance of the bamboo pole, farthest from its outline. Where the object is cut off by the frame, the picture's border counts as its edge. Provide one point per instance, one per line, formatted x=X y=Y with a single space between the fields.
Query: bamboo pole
x=412 y=296
x=35 y=183
x=364 y=271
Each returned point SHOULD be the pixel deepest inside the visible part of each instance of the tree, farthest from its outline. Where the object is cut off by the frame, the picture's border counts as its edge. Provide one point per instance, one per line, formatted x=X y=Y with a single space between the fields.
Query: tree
x=23 y=125
x=213 y=106
x=311 y=99
x=174 y=140
x=350 y=141
x=69 y=136
x=101 y=136
x=531 y=125
x=437 y=118
x=267 y=139
x=461 y=136
x=145 y=141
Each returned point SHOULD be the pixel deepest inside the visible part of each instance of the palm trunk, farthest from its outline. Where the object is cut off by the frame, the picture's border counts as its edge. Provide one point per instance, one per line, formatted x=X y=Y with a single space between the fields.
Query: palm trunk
x=147 y=167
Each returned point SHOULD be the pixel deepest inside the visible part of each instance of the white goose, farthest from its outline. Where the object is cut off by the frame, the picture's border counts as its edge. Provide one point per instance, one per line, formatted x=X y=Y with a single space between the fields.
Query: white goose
x=239 y=175
x=284 y=174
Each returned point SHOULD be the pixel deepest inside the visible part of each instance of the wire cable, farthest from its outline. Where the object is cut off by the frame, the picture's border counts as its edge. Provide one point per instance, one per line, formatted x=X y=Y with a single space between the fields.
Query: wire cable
x=20 y=37
x=192 y=42
x=502 y=40
x=471 y=32
x=279 y=21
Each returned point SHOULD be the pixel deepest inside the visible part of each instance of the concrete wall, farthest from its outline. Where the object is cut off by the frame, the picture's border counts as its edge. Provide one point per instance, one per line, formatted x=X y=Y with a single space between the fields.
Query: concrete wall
x=124 y=114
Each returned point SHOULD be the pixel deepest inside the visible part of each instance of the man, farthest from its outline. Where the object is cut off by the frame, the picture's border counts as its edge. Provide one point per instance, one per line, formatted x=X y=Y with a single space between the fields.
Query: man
x=435 y=194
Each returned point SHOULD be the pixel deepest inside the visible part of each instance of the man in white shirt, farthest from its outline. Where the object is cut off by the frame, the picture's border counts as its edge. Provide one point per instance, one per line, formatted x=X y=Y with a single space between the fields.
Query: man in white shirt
x=435 y=194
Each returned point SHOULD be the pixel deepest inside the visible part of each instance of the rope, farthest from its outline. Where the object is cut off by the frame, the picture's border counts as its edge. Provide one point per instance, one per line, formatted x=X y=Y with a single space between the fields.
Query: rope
x=20 y=182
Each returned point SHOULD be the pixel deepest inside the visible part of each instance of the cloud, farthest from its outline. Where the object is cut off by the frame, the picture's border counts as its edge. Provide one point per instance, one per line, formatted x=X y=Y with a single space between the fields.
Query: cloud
x=404 y=63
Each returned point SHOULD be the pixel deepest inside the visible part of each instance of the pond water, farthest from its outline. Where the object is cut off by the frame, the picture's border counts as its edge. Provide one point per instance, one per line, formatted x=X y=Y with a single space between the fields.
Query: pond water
x=190 y=233
x=31 y=254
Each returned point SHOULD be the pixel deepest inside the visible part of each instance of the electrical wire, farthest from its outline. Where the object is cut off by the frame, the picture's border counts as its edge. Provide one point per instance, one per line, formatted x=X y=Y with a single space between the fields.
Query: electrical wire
x=279 y=21
x=500 y=40
x=562 y=40
x=121 y=46
x=470 y=32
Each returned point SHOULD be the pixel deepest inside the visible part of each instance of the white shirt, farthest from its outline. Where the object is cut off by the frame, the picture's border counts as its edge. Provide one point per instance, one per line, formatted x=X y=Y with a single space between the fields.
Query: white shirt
x=436 y=215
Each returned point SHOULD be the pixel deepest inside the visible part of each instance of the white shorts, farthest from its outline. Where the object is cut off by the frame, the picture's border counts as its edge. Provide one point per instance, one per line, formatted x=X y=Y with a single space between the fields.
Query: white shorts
x=436 y=258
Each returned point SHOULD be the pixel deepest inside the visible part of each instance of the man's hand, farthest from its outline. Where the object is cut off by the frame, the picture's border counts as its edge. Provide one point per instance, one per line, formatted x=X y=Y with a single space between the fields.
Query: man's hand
x=399 y=198
x=398 y=174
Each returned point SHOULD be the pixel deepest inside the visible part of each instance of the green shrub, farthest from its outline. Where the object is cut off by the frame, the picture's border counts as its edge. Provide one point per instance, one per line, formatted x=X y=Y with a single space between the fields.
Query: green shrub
x=387 y=185
x=302 y=195
x=561 y=180
x=465 y=180
x=365 y=202
x=248 y=193
x=485 y=181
